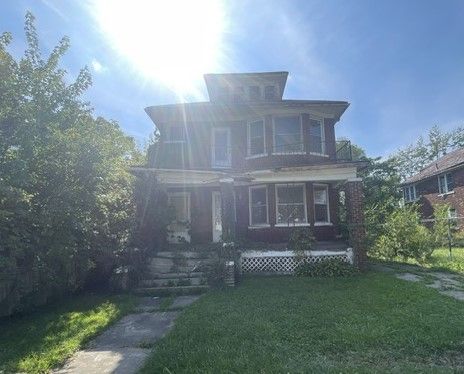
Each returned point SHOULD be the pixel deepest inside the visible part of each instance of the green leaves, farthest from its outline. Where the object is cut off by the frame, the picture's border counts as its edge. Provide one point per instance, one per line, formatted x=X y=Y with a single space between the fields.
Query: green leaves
x=66 y=204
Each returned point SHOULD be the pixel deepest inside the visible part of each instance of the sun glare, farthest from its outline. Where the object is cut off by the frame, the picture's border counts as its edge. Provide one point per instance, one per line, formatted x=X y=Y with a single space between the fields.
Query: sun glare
x=172 y=42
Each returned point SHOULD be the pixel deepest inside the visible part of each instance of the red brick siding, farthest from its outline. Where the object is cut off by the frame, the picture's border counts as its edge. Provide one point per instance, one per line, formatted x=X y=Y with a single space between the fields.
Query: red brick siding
x=429 y=192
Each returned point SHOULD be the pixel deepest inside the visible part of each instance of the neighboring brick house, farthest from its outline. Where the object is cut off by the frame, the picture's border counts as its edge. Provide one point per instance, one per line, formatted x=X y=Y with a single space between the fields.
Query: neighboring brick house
x=248 y=163
x=440 y=182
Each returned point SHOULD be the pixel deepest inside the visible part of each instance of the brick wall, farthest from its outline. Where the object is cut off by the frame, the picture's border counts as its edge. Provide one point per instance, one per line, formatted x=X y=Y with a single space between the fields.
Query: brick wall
x=428 y=190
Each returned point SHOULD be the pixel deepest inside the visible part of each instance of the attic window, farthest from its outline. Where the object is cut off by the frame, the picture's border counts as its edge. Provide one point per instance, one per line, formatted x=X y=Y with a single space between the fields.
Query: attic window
x=254 y=93
x=269 y=93
x=175 y=134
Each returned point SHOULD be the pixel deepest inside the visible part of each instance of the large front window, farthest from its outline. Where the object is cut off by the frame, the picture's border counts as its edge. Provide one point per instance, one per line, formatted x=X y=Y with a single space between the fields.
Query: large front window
x=256 y=141
x=445 y=183
x=288 y=136
x=316 y=137
x=321 y=204
x=258 y=206
x=221 y=151
x=291 y=204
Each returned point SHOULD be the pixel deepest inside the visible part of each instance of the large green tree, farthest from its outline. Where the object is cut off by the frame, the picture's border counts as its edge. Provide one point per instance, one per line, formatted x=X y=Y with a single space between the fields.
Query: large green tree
x=66 y=204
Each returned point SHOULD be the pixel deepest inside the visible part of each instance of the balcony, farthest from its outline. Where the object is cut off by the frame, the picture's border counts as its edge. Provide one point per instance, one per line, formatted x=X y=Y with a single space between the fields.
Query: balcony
x=343 y=150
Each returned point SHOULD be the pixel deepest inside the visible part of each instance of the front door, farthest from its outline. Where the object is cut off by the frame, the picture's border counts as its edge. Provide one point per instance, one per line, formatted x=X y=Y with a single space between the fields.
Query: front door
x=217 y=219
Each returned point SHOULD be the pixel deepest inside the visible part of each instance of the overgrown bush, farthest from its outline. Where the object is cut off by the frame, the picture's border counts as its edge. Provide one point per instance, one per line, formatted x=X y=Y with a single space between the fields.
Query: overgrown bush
x=327 y=268
x=301 y=240
x=404 y=236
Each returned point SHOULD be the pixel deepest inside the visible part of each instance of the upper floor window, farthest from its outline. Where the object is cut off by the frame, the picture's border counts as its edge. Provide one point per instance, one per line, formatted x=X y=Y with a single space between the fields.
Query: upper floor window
x=256 y=141
x=222 y=93
x=445 y=183
x=269 y=93
x=258 y=206
x=175 y=134
x=316 y=137
x=291 y=204
x=254 y=93
x=321 y=204
x=239 y=94
x=288 y=135
x=409 y=193
x=221 y=151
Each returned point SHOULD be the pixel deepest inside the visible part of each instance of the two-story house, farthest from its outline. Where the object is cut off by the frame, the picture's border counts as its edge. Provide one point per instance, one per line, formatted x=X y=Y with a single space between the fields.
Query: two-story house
x=440 y=182
x=250 y=163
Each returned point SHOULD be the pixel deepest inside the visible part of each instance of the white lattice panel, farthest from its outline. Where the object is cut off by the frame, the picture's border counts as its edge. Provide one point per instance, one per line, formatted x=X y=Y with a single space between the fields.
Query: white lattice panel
x=282 y=264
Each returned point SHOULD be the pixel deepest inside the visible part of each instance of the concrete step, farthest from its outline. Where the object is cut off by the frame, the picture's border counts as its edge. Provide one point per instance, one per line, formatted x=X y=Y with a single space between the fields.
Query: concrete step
x=165 y=291
x=182 y=254
x=169 y=265
x=195 y=274
x=169 y=282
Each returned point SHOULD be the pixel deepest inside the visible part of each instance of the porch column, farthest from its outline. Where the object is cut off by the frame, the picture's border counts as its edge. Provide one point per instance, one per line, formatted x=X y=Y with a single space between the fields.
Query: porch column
x=227 y=209
x=355 y=215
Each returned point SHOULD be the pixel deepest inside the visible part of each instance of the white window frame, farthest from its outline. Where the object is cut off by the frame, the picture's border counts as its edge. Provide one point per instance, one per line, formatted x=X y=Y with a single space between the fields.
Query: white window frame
x=213 y=148
x=321 y=223
x=168 y=135
x=249 y=123
x=251 y=225
x=261 y=93
x=446 y=184
x=300 y=152
x=413 y=196
x=185 y=194
x=305 y=223
x=324 y=149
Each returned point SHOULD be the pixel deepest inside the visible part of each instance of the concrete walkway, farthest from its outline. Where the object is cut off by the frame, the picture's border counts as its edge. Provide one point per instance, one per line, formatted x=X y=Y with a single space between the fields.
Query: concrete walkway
x=125 y=346
x=448 y=284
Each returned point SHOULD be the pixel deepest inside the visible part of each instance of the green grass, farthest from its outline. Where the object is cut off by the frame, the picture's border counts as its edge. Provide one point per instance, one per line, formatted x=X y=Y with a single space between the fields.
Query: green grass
x=367 y=323
x=441 y=260
x=39 y=341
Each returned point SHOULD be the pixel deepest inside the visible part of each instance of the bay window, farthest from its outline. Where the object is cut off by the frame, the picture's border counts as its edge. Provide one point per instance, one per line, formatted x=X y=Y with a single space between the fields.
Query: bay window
x=288 y=135
x=291 y=204
x=316 y=137
x=258 y=206
x=321 y=204
x=256 y=140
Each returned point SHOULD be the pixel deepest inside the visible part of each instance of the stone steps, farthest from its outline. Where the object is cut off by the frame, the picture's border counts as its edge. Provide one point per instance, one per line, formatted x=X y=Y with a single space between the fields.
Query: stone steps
x=165 y=291
x=173 y=281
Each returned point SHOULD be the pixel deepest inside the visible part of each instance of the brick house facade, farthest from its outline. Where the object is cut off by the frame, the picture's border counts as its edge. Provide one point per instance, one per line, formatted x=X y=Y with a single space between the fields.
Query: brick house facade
x=441 y=182
x=249 y=163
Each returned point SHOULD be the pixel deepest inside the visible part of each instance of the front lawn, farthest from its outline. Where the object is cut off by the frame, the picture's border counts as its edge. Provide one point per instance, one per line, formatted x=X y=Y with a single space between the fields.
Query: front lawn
x=367 y=323
x=39 y=341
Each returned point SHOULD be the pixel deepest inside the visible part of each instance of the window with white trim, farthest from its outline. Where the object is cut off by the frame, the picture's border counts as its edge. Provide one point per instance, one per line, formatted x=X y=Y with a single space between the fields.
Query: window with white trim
x=256 y=141
x=175 y=134
x=445 y=183
x=254 y=93
x=409 y=193
x=316 y=136
x=221 y=152
x=258 y=206
x=291 y=204
x=288 y=135
x=321 y=204
x=180 y=202
x=269 y=93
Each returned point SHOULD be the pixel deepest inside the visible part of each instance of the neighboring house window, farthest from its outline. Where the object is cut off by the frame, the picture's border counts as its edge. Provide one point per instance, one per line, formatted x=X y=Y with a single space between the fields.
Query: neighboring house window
x=175 y=134
x=254 y=93
x=269 y=93
x=288 y=136
x=321 y=204
x=409 y=193
x=258 y=206
x=291 y=204
x=180 y=202
x=445 y=183
x=452 y=213
x=316 y=137
x=221 y=152
x=256 y=141
x=239 y=93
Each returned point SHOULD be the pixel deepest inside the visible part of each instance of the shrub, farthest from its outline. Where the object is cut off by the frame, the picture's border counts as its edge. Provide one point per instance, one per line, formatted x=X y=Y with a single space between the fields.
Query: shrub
x=327 y=268
x=301 y=239
x=404 y=236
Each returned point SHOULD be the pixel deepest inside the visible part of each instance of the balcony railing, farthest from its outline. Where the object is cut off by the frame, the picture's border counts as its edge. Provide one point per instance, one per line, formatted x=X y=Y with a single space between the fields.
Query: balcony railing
x=180 y=154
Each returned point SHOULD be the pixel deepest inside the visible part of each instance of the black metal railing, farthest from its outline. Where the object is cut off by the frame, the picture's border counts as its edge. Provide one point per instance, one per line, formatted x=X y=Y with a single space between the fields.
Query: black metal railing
x=343 y=151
